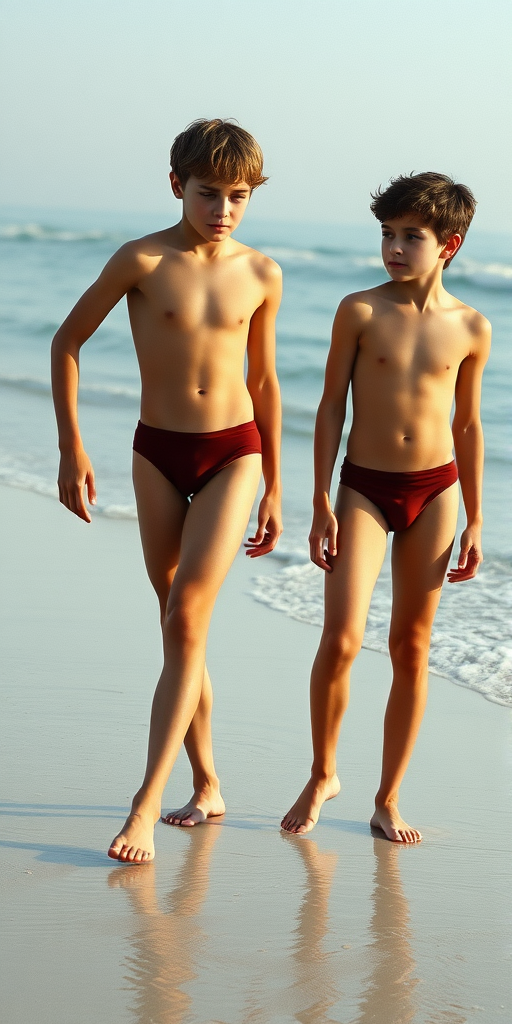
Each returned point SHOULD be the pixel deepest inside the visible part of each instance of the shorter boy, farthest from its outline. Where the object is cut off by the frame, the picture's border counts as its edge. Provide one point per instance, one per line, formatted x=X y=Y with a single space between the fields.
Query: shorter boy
x=407 y=348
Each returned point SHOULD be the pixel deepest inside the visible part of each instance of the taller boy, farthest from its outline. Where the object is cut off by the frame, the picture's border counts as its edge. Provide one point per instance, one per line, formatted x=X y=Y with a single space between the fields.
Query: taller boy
x=198 y=302
x=406 y=347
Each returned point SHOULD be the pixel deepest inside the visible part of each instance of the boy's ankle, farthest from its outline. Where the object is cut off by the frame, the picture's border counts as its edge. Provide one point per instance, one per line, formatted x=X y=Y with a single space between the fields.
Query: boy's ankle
x=206 y=784
x=320 y=775
x=388 y=800
x=145 y=800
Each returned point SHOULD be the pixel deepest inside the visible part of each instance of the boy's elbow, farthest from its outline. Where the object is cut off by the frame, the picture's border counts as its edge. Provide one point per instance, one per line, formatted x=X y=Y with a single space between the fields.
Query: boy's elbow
x=264 y=387
x=463 y=430
x=64 y=343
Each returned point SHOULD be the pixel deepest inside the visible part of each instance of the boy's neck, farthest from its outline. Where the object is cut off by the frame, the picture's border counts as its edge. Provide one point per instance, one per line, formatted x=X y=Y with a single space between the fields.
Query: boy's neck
x=192 y=241
x=423 y=292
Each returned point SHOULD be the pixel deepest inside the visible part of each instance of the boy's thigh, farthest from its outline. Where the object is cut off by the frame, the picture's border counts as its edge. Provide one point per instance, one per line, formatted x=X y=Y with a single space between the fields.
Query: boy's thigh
x=361 y=546
x=215 y=524
x=161 y=511
x=419 y=560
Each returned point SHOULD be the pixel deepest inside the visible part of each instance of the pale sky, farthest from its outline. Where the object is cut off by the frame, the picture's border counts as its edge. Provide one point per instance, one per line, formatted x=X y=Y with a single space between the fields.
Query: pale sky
x=341 y=95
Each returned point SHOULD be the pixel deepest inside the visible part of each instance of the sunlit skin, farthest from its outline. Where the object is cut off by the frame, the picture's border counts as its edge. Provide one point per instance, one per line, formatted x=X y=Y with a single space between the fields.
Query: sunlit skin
x=406 y=348
x=199 y=303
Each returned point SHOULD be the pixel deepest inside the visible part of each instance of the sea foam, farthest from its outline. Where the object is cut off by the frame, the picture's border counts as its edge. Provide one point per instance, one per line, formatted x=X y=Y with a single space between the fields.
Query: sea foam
x=469 y=637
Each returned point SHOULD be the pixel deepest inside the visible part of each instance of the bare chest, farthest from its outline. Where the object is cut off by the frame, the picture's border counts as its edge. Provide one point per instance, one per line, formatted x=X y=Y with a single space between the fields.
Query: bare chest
x=412 y=346
x=185 y=299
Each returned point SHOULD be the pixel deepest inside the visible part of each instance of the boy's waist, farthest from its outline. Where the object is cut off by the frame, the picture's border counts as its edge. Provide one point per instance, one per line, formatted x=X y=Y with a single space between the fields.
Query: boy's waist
x=417 y=476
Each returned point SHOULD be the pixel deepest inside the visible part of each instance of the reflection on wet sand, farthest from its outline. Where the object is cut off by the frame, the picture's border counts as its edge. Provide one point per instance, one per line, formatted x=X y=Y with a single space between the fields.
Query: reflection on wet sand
x=316 y=988
x=388 y=989
x=168 y=944
x=169 y=947
x=389 y=995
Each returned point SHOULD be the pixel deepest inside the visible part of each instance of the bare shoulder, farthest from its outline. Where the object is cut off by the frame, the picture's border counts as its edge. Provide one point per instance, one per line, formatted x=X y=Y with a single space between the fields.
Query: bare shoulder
x=154 y=245
x=478 y=329
x=137 y=258
x=268 y=274
x=359 y=307
x=265 y=268
x=136 y=253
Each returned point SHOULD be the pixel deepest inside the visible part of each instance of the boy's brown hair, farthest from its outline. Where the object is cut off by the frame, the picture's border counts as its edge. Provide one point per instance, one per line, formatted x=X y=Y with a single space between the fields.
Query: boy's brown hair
x=445 y=206
x=218 y=150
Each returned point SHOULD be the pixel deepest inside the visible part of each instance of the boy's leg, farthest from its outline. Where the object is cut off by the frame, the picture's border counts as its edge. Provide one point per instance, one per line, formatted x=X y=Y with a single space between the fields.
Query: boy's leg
x=348 y=590
x=161 y=513
x=212 y=532
x=206 y=801
x=420 y=557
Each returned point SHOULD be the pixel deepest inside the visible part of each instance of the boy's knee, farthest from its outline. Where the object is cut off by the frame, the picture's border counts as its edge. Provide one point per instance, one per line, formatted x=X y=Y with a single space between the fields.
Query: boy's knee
x=409 y=651
x=185 y=620
x=341 y=647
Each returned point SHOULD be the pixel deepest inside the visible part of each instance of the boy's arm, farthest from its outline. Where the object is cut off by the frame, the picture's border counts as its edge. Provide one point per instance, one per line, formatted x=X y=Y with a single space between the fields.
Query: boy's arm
x=469 y=448
x=75 y=471
x=263 y=387
x=349 y=321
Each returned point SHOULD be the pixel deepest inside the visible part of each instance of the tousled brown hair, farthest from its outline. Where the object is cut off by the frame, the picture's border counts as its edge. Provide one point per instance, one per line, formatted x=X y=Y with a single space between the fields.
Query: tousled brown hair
x=218 y=150
x=443 y=205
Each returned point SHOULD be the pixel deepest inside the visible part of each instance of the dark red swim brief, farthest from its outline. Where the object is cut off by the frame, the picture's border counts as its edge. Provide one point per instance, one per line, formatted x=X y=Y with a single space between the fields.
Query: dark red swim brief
x=189 y=460
x=401 y=497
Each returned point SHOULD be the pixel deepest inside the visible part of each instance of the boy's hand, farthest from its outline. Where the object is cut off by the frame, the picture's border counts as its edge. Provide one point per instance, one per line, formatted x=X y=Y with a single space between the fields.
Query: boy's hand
x=469 y=558
x=324 y=528
x=270 y=528
x=75 y=473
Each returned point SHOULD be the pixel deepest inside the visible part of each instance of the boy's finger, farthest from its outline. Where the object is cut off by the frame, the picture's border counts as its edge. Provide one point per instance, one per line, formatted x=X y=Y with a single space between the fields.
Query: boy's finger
x=261 y=549
x=316 y=554
x=331 y=543
x=78 y=506
x=91 y=488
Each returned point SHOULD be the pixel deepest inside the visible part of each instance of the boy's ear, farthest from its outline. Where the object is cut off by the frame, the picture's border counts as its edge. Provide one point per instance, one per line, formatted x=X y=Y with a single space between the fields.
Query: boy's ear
x=450 y=248
x=176 y=185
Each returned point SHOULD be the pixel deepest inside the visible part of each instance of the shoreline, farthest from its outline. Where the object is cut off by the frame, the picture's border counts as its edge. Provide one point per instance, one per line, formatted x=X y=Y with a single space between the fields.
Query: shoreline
x=234 y=921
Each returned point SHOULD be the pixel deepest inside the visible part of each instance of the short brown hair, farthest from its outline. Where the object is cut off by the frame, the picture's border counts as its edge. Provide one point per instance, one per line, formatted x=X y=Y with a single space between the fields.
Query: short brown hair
x=445 y=206
x=219 y=150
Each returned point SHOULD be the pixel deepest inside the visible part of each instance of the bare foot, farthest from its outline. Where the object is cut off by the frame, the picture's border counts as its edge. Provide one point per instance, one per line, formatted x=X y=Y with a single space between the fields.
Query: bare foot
x=204 y=804
x=303 y=816
x=134 y=844
x=389 y=820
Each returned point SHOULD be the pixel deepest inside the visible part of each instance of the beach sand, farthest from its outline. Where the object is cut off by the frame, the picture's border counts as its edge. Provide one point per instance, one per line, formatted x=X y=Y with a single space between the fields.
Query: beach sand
x=235 y=921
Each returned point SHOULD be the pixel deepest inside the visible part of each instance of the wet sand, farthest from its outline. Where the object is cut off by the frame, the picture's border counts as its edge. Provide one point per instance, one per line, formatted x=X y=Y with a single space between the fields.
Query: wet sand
x=235 y=921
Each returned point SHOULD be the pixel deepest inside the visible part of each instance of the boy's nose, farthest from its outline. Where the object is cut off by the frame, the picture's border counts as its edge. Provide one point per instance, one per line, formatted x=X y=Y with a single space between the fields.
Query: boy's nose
x=222 y=207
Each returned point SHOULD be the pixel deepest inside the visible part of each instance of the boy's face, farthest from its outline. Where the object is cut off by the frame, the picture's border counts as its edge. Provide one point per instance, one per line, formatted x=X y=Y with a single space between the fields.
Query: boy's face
x=213 y=208
x=410 y=248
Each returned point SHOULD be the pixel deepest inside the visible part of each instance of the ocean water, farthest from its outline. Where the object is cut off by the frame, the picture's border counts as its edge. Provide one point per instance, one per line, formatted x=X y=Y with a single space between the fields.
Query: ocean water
x=49 y=258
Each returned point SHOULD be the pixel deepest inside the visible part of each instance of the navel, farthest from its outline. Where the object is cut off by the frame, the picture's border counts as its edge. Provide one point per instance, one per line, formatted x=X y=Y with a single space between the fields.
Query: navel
x=407 y=438
x=201 y=391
